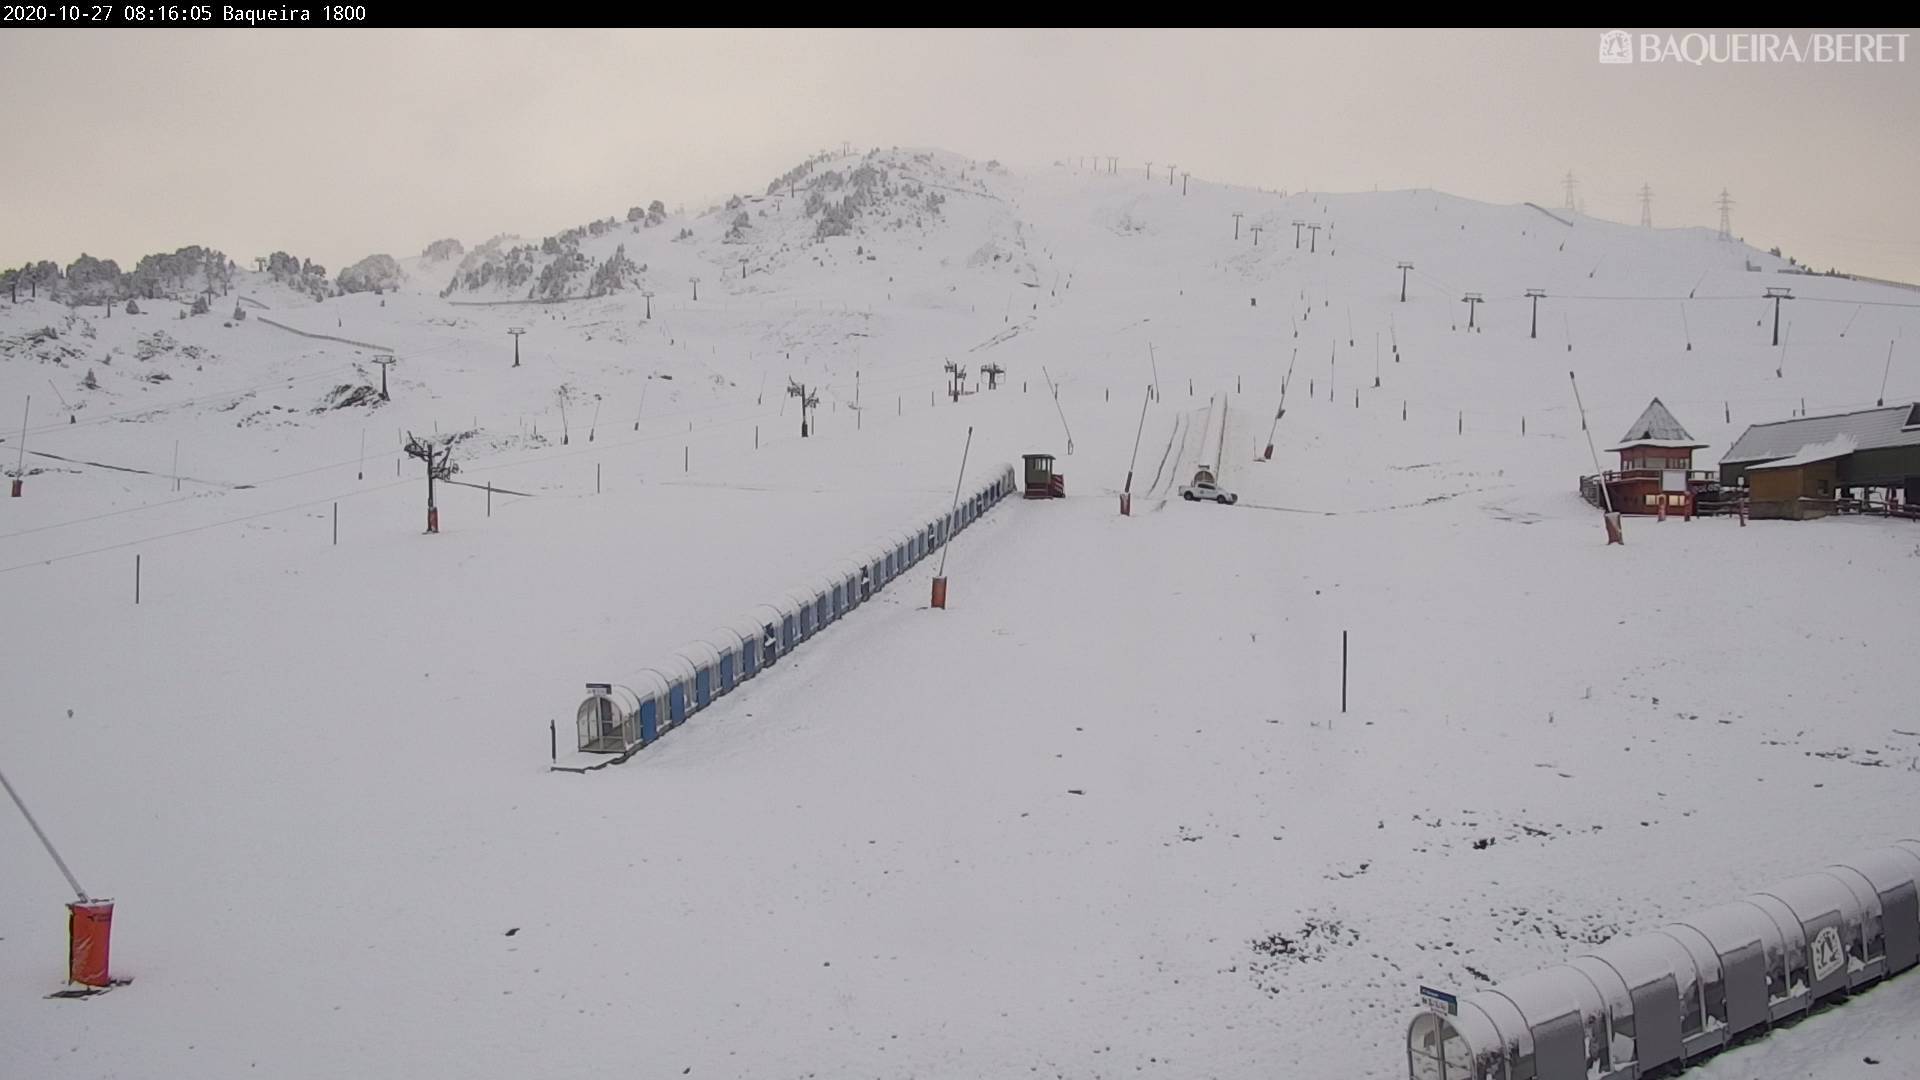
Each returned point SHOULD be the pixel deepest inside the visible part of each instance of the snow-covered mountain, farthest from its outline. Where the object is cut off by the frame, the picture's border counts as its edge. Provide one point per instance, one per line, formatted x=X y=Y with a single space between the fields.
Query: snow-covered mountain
x=1103 y=815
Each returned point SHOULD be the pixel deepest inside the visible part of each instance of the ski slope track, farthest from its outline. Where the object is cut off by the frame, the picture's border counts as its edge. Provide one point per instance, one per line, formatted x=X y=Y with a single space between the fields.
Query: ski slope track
x=1102 y=816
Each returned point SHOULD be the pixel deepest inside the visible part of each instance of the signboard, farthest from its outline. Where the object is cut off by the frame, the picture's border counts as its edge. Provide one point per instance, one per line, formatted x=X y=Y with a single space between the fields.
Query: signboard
x=1828 y=956
x=599 y=688
x=1674 y=480
x=1439 y=1001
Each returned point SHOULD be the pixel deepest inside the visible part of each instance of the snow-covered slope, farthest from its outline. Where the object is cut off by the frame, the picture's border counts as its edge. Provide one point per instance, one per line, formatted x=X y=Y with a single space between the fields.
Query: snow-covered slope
x=1104 y=816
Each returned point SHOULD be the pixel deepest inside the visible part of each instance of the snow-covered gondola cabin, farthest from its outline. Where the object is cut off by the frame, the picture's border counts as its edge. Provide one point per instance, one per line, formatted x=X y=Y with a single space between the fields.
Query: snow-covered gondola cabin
x=752 y=631
x=727 y=643
x=617 y=719
x=824 y=606
x=608 y=721
x=785 y=633
x=704 y=659
x=1640 y=1004
x=792 y=627
x=678 y=672
x=843 y=586
x=851 y=576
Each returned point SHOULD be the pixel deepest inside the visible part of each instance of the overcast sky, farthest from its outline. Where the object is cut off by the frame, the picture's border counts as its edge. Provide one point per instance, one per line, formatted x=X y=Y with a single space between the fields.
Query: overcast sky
x=336 y=144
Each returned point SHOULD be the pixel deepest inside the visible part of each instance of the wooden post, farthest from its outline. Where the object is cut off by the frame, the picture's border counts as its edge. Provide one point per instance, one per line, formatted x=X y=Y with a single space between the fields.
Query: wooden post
x=553 y=740
x=489 y=498
x=1343 y=671
x=336 y=524
x=686 y=459
x=596 y=478
x=136 y=579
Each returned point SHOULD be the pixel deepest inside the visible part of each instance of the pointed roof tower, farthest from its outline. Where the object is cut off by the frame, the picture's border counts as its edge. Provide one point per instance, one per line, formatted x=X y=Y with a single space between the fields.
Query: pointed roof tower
x=1657 y=427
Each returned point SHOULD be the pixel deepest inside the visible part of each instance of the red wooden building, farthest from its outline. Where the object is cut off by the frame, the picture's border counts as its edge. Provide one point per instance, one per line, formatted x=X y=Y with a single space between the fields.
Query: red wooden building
x=1656 y=468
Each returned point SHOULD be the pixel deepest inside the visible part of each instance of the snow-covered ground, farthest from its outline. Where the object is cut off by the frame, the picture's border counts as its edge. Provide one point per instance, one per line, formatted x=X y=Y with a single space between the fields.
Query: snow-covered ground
x=1101 y=817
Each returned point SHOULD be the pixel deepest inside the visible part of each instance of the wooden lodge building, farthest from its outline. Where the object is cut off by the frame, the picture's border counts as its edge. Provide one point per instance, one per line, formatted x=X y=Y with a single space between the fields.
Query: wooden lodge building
x=1818 y=465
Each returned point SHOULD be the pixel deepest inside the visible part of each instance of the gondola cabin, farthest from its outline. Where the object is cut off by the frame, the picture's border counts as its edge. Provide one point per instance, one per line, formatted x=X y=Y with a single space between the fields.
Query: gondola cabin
x=1042 y=481
x=608 y=721
x=1659 y=1000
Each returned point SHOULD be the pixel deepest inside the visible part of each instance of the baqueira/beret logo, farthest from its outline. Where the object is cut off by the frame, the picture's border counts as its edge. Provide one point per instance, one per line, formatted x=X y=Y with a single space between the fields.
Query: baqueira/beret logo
x=1714 y=47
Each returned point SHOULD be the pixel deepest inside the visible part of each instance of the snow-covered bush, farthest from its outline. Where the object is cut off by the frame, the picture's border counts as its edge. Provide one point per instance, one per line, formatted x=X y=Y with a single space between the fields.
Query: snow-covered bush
x=375 y=273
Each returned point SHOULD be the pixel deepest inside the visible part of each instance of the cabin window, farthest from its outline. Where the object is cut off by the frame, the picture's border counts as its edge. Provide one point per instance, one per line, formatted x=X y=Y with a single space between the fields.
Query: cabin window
x=1456 y=1055
x=1821 y=487
x=1598 y=1063
x=1424 y=1048
x=1623 y=1029
x=1693 y=1012
x=1653 y=500
x=1676 y=500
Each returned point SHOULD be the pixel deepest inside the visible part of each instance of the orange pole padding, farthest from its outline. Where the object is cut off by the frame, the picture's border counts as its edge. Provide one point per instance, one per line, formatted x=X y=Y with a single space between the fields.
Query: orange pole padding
x=940 y=592
x=89 y=936
x=1615 y=533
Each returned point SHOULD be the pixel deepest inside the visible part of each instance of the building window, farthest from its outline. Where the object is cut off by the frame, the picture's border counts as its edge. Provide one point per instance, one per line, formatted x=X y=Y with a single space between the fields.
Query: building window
x=1653 y=500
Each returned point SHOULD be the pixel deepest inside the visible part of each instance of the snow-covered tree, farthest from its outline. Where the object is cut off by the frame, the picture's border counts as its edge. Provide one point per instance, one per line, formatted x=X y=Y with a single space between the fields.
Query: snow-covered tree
x=374 y=273
x=94 y=281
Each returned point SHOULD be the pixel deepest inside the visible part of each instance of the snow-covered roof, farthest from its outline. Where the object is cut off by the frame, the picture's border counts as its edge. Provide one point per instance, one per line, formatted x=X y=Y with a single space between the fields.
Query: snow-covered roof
x=1837 y=447
x=1871 y=429
x=1668 y=444
x=1657 y=427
